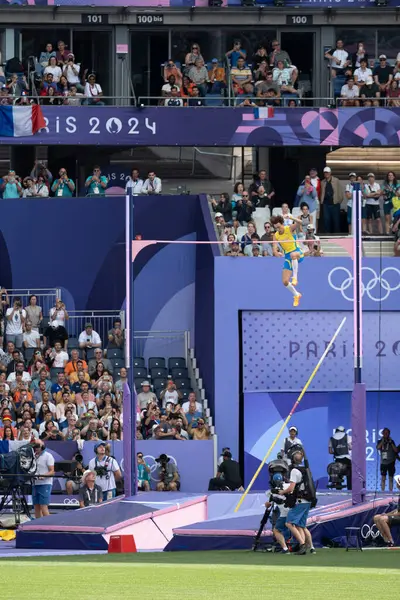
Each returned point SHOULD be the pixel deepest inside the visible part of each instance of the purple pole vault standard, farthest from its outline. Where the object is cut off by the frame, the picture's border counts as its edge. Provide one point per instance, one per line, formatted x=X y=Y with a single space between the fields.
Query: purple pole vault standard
x=359 y=396
x=127 y=443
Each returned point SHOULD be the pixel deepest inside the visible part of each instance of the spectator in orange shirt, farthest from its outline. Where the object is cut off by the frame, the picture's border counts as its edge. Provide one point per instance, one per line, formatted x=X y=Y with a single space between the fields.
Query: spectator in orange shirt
x=187 y=86
x=170 y=68
x=72 y=365
x=217 y=77
x=79 y=376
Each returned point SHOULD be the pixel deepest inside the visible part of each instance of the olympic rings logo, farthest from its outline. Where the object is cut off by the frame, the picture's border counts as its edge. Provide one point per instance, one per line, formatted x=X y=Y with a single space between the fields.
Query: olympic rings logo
x=368 y=531
x=151 y=462
x=377 y=288
x=72 y=501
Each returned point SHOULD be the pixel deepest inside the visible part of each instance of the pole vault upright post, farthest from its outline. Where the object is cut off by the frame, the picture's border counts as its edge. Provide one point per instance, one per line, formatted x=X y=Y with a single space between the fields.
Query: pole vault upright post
x=359 y=396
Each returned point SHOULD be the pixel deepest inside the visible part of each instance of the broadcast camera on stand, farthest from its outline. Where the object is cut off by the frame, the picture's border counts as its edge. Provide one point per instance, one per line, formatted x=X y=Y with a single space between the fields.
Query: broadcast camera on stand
x=17 y=469
x=337 y=471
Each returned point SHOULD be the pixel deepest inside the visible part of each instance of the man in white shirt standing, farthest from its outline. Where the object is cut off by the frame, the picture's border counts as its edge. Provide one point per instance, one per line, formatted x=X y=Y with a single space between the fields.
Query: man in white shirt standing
x=41 y=488
x=134 y=183
x=59 y=356
x=350 y=93
x=89 y=338
x=362 y=73
x=71 y=72
x=152 y=185
x=338 y=59
x=107 y=471
x=373 y=193
x=31 y=337
x=15 y=317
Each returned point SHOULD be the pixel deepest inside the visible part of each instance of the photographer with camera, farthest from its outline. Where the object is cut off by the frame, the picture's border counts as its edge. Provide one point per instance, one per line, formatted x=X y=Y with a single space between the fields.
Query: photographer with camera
x=15 y=320
x=290 y=441
x=43 y=482
x=72 y=485
x=168 y=474
x=90 y=493
x=277 y=501
x=228 y=475
x=389 y=453
x=340 y=447
x=107 y=471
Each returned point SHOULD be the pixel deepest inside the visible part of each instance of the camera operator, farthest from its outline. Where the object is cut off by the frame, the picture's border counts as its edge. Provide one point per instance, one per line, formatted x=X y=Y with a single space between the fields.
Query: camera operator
x=389 y=453
x=90 y=493
x=388 y=520
x=168 y=473
x=228 y=475
x=15 y=319
x=340 y=447
x=143 y=473
x=290 y=441
x=299 y=503
x=72 y=486
x=277 y=500
x=107 y=471
x=43 y=482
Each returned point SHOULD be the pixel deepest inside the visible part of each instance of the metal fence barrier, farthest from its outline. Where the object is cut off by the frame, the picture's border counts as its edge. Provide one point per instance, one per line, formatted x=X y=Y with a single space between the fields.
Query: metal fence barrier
x=46 y=297
x=102 y=321
x=161 y=343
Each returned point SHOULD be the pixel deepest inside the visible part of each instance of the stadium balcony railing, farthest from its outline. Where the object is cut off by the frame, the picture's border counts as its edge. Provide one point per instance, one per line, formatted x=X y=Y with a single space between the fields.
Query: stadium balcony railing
x=301 y=102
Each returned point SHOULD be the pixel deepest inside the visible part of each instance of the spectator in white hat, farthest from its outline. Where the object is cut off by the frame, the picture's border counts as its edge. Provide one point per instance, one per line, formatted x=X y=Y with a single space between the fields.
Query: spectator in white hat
x=349 y=197
x=146 y=395
x=291 y=440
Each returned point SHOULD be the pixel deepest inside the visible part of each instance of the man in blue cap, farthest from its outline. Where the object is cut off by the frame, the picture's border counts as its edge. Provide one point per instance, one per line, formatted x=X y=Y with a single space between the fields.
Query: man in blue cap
x=107 y=471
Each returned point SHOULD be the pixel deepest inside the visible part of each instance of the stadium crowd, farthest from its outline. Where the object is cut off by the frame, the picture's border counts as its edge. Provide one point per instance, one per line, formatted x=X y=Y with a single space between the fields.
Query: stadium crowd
x=41 y=183
x=55 y=387
x=243 y=219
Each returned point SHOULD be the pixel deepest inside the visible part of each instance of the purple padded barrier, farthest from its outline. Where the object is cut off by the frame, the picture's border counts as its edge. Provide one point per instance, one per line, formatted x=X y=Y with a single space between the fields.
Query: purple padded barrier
x=358 y=425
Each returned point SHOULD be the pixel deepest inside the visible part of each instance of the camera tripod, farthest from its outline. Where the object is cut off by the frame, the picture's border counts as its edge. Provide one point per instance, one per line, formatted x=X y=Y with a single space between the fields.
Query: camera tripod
x=15 y=497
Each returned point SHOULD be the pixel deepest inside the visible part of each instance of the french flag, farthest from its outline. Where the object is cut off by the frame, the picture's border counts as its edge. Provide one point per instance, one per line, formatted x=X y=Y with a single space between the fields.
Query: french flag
x=264 y=112
x=21 y=121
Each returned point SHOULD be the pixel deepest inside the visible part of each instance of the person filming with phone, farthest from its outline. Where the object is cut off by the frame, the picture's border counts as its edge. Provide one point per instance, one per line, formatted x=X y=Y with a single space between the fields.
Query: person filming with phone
x=15 y=320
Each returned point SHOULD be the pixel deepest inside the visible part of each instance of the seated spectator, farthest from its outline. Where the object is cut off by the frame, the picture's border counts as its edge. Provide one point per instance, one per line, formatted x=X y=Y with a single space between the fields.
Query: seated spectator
x=134 y=183
x=98 y=358
x=237 y=193
x=120 y=383
x=31 y=337
x=71 y=72
x=216 y=77
x=191 y=57
x=48 y=81
x=187 y=87
x=195 y=99
x=62 y=53
x=312 y=241
x=246 y=238
x=58 y=358
x=64 y=186
x=370 y=93
x=270 y=98
x=260 y=74
x=54 y=69
x=285 y=77
x=261 y=179
x=259 y=56
x=199 y=76
x=362 y=73
x=170 y=68
x=52 y=98
x=116 y=336
x=167 y=87
x=72 y=365
x=89 y=338
x=248 y=249
x=41 y=385
x=5 y=98
x=44 y=58
x=76 y=378
x=268 y=236
x=268 y=84
x=174 y=98
x=393 y=93
x=198 y=430
x=234 y=249
x=19 y=370
x=73 y=98
x=240 y=75
x=383 y=75
x=170 y=394
x=93 y=91
x=338 y=59
x=244 y=209
x=350 y=93
x=278 y=54
x=152 y=185
x=96 y=183
x=16 y=85
x=63 y=86
x=11 y=185
x=261 y=198
x=224 y=207
x=192 y=403
x=167 y=474
x=307 y=194
x=359 y=55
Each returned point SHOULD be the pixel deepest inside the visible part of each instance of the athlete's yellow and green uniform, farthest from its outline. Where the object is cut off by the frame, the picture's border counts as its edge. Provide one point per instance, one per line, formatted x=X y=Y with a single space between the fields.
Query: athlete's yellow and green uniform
x=288 y=246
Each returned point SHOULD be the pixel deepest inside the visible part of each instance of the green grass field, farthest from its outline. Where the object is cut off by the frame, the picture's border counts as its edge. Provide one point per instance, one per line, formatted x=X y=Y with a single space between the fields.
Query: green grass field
x=233 y=575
